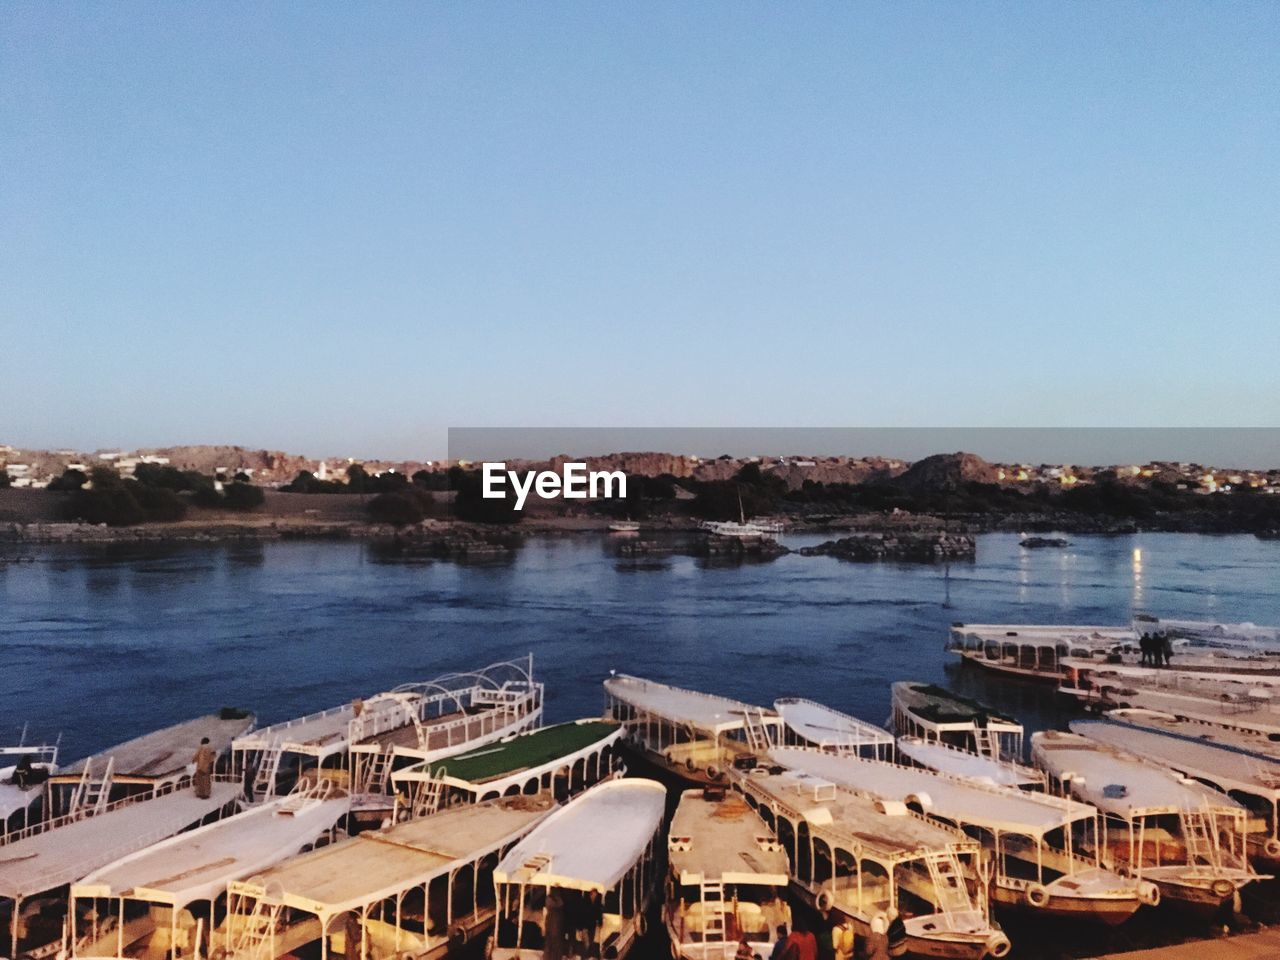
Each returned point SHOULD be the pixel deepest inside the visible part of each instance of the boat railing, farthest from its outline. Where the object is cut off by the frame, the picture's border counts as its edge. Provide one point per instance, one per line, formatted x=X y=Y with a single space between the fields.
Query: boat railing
x=264 y=736
x=53 y=823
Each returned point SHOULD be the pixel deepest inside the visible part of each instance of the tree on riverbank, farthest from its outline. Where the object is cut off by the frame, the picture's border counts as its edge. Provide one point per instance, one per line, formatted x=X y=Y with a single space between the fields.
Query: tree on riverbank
x=401 y=507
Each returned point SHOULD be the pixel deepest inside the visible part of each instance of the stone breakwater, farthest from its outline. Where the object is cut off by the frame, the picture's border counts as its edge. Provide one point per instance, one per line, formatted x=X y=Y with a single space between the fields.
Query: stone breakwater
x=908 y=547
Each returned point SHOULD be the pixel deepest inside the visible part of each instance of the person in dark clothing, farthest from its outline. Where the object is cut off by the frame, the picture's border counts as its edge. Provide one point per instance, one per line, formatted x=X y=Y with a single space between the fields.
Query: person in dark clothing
x=1166 y=649
x=780 y=944
x=1144 y=644
x=23 y=773
x=204 y=761
x=553 y=940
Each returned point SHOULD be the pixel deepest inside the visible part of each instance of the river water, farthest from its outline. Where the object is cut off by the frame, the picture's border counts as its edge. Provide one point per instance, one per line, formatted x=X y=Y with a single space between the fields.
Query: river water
x=100 y=644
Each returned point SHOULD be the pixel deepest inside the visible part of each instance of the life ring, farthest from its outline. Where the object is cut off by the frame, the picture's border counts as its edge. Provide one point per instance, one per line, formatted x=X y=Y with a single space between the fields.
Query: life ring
x=1223 y=888
x=1037 y=896
x=1272 y=847
x=825 y=899
x=1149 y=893
x=998 y=946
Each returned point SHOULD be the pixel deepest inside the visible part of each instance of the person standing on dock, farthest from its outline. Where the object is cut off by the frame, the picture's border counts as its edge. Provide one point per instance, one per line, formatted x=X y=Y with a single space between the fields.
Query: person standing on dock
x=204 y=761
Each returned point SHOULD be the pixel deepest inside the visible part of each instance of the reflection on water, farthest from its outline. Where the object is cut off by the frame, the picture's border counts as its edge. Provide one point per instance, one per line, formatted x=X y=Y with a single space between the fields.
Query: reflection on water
x=108 y=642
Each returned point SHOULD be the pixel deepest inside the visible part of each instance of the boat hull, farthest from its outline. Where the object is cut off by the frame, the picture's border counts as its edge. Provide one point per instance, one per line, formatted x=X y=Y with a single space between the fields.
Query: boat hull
x=1109 y=911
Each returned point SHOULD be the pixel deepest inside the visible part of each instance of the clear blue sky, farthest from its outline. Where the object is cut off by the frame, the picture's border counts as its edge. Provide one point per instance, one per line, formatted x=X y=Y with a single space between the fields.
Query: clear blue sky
x=344 y=227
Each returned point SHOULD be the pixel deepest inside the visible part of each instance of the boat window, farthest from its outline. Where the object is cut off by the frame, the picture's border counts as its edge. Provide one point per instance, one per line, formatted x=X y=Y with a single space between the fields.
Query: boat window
x=876 y=888
x=804 y=852
x=993 y=651
x=846 y=878
x=822 y=865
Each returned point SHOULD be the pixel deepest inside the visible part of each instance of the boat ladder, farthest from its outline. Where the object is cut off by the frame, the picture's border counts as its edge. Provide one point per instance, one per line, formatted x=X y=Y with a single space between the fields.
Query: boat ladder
x=255 y=939
x=92 y=793
x=429 y=795
x=264 y=781
x=375 y=772
x=944 y=870
x=987 y=743
x=758 y=738
x=712 y=911
x=1201 y=835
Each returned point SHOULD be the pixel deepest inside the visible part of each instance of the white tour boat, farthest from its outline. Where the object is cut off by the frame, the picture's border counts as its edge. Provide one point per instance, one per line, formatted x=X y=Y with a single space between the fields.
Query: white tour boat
x=1046 y=849
x=166 y=902
x=23 y=772
x=696 y=735
x=624 y=526
x=41 y=859
x=144 y=766
x=936 y=715
x=1187 y=838
x=1223 y=733
x=728 y=878
x=1034 y=651
x=413 y=891
x=879 y=864
x=812 y=724
x=562 y=760
x=1250 y=779
x=585 y=876
x=944 y=758
x=360 y=743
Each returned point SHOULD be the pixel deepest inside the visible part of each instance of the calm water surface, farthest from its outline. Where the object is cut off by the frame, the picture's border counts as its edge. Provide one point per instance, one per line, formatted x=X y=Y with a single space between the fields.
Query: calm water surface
x=101 y=644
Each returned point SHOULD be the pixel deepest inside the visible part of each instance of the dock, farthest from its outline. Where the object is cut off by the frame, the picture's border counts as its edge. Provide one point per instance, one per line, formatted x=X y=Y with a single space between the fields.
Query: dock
x=1264 y=945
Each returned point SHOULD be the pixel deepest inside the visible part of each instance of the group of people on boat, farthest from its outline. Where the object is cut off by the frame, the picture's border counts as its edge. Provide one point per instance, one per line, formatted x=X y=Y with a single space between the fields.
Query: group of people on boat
x=1157 y=649
x=571 y=926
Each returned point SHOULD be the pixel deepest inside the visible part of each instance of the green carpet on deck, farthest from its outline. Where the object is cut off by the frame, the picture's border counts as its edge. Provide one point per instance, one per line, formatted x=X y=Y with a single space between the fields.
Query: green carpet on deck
x=524 y=752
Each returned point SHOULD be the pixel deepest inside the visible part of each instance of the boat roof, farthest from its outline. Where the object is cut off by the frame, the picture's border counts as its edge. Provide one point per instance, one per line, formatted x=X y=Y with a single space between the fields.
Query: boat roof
x=380 y=864
x=940 y=705
x=1198 y=703
x=961 y=763
x=850 y=819
x=197 y=865
x=704 y=710
x=1231 y=769
x=826 y=727
x=66 y=853
x=524 y=751
x=1249 y=742
x=999 y=808
x=591 y=842
x=1040 y=634
x=723 y=839
x=1118 y=782
x=323 y=732
x=164 y=753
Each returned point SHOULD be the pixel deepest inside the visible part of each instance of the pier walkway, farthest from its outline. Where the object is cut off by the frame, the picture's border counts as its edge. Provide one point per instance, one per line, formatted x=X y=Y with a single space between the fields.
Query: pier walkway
x=1248 y=946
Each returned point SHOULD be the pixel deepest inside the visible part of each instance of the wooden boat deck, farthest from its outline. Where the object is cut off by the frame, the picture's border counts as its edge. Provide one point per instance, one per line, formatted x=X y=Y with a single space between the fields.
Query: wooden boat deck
x=162 y=753
x=65 y=854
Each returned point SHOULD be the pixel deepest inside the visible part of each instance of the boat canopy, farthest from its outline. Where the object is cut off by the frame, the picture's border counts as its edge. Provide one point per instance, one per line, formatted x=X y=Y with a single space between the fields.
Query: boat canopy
x=723 y=839
x=65 y=853
x=592 y=842
x=1228 y=768
x=885 y=832
x=163 y=754
x=961 y=763
x=380 y=864
x=1119 y=782
x=705 y=711
x=999 y=809
x=828 y=728
x=198 y=865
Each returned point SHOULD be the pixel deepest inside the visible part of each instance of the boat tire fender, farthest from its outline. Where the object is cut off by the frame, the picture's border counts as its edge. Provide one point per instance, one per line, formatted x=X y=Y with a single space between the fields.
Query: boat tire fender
x=1223 y=888
x=998 y=946
x=1272 y=847
x=1037 y=896
x=1149 y=893
x=713 y=772
x=690 y=765
x=457 y=936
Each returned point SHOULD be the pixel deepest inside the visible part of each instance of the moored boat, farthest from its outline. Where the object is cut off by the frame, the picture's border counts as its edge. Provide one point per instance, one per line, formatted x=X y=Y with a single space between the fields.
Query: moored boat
x=416 y=890
x=1034 y=651
x=1037 y=843
x=937 y=715
x=812 y=724
x=562 y=760
x=167 y=900
x=697 y=736
x=582 y=882
x=728 y=878
x=878 y=864
x=1223 y=733
x=1185 y=837
x=1252 y=780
